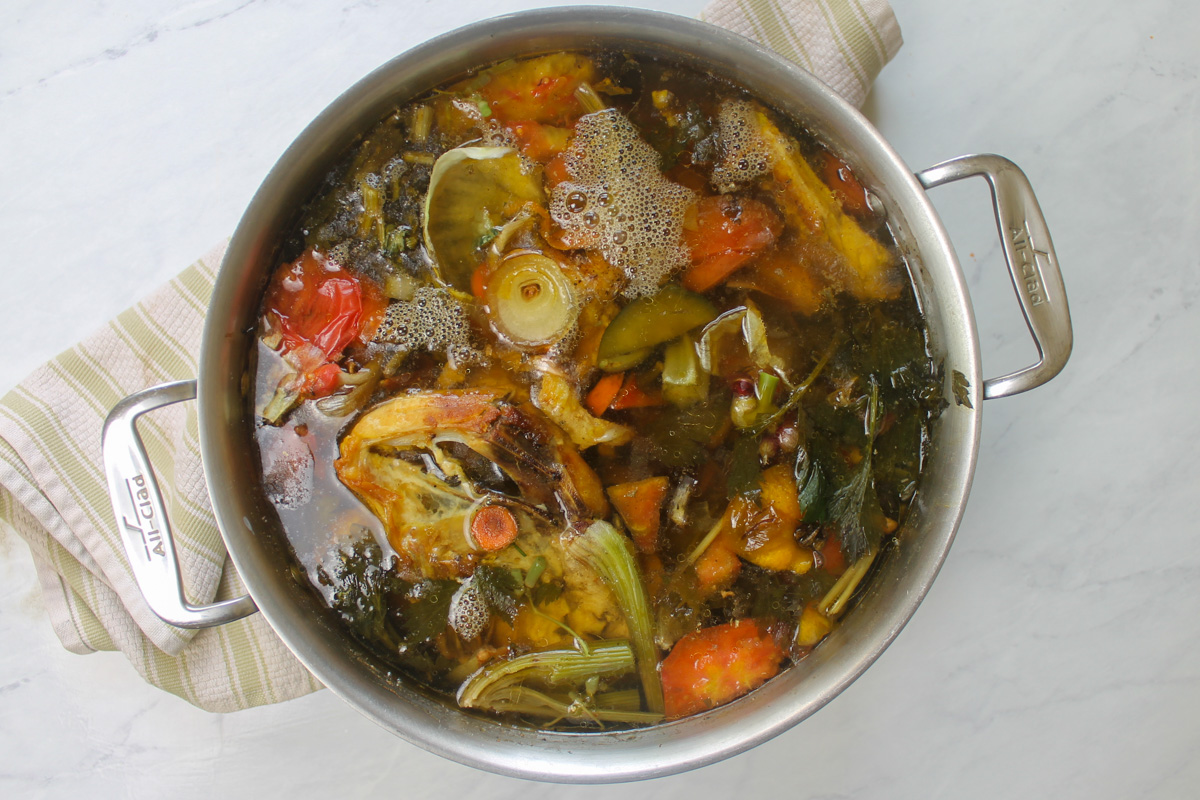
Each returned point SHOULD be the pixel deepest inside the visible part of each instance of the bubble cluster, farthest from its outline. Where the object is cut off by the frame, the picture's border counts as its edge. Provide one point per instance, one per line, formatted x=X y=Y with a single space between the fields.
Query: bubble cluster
x=743 y=155
x=468 y=612
x=433 y=321
x=617 y=201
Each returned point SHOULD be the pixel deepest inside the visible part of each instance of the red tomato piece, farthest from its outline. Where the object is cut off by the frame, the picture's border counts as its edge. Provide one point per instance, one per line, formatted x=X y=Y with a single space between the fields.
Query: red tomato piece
x=321 y=381
x=317 y=303
x=715 y=665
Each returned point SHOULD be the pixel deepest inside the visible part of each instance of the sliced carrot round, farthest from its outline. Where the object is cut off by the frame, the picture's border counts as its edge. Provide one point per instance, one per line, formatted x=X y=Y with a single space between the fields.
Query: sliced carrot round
x=493 y=528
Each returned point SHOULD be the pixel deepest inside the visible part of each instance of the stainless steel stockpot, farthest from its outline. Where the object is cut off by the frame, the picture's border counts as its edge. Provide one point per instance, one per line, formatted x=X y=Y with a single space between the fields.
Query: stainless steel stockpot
x=252 y=532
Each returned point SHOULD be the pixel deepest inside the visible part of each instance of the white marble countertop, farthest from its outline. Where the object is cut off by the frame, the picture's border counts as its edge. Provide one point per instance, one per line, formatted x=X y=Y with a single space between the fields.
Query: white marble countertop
x=1057 y=655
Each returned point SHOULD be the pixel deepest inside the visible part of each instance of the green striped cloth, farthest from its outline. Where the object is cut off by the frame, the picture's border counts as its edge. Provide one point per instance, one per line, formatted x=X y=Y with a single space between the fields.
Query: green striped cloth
x=54 y=495
x=52 y=488
x=843 y=42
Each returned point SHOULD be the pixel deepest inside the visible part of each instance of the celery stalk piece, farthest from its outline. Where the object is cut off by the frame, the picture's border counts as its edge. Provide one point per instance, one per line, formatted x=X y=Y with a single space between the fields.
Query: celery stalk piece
x=553 y=667
x=533 y=703
x=610 y=553
x=588 y=98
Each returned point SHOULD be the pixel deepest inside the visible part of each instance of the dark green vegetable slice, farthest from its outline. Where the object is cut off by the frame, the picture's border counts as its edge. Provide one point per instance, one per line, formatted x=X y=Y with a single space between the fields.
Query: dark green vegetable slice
x=650 y=321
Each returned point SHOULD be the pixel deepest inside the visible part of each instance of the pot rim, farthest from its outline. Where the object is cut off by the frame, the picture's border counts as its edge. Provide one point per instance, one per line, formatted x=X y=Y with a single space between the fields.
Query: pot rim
x=603 y=757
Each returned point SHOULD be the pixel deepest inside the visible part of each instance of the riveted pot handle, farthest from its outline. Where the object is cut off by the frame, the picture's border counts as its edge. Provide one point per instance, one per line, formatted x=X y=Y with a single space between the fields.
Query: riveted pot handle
x=142 y=518
x=1031 y=262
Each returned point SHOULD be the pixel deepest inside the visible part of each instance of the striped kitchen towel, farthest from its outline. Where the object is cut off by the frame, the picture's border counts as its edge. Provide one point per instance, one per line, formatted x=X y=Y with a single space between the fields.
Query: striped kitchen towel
x=53 y=493
x=843 y=42
x=52 y=486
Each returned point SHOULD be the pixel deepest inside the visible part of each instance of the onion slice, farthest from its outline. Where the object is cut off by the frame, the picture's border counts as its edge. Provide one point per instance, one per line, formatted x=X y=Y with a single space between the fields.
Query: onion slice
x=531 y=300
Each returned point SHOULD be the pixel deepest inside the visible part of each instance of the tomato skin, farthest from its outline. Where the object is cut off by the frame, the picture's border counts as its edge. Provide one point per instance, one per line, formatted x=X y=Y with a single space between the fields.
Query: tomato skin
x=713 y=666
x=556 y=170
x=316 y=302
x=319 y=309
x=537 y=141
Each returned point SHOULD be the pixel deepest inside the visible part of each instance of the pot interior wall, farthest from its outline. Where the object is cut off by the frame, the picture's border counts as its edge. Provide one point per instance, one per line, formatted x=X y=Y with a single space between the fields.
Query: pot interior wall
x=254 y=536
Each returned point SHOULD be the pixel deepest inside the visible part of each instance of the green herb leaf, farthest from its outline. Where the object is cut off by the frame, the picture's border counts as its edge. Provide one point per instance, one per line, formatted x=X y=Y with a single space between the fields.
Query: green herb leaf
x=500 y=590
x=546 y=592
x=424 y=614
x=811 y=483
x=854 y=508
x=744 y=469
x=487 y=237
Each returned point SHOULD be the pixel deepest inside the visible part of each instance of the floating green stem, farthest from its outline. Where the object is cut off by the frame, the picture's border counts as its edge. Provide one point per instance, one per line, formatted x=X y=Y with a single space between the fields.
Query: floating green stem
x=547 y=667
x=611 y=555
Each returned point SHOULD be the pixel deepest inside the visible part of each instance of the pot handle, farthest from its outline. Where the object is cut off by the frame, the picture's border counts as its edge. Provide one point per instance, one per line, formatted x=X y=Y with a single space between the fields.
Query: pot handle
x=140 y=514
x=1031 y=262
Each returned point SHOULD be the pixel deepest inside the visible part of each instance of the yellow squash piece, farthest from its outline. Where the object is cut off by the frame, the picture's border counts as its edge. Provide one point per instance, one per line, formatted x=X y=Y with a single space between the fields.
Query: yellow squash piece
x=814 y=208
x=556 y=398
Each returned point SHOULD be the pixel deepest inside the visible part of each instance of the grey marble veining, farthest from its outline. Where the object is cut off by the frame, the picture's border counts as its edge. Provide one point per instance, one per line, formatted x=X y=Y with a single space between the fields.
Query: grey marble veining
x=1058 y=653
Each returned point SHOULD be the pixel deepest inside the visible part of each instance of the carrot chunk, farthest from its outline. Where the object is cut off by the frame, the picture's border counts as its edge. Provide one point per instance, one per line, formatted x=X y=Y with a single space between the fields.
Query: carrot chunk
x=715 y=665
x=729 y=232
x=632 y=395
x=603 y=393
x=718 y=566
